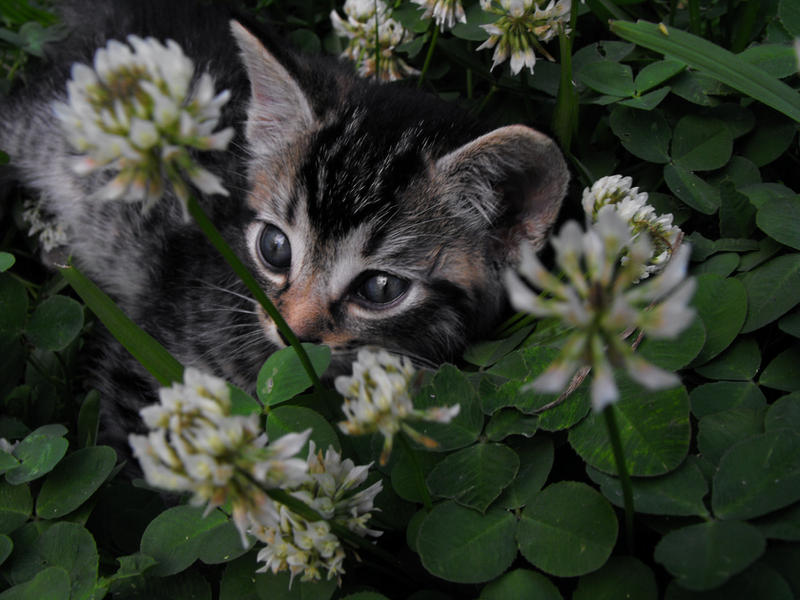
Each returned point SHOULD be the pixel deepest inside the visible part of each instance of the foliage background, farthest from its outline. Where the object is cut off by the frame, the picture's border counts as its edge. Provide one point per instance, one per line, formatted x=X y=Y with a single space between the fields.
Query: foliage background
x=525 y=504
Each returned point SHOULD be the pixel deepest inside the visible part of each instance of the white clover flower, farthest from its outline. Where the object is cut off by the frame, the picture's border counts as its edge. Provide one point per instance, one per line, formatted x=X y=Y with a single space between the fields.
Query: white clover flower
x=49 y=232
x=7 y=446
x=365 y=19
x=137 y=113
x=522 y=27
x=641 y=217
x=445 y=13
x=601 y=301
x=196 y=445
x=309 y=548
x=377 y=399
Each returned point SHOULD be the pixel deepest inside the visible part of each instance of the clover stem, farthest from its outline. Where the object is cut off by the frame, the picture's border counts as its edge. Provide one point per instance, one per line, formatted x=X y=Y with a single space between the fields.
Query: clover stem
x=624 y=478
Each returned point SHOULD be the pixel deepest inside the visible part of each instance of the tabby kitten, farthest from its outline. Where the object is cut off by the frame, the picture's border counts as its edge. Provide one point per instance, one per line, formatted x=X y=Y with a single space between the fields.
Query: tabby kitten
x=371 y=214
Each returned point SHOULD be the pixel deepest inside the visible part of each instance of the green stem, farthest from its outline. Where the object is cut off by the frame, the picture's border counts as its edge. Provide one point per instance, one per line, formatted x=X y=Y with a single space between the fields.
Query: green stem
x=486 y=99
x=429 y=55
x=418 y=475
x=624 y=478
x=565 y=119
x=214 y=236
x=694 y=17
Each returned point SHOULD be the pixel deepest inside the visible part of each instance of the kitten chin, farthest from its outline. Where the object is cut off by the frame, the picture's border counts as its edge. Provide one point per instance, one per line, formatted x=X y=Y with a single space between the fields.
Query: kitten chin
x=370 y=214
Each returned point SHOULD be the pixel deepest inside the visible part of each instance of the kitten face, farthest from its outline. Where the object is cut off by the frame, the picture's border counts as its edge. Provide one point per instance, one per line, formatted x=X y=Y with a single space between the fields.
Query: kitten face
x=371 y=229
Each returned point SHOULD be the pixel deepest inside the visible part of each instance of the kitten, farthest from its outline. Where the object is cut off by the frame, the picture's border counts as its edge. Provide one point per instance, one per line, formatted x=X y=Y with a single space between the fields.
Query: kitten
x=371 y=214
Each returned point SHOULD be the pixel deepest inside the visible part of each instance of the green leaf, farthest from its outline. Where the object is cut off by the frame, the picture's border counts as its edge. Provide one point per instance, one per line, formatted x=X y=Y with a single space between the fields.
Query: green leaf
x=736 y=213
x=509 y=421
x=474 y=476
x=740 y=362
x=405 y=480
x=144 y=348
x=282 y=377
x=13 y=306
x=7 y=461
x=758 y=581
x=757 y=476
x=461 y=545
x=789 y=15
x=717 y=433
x=772 y=290
x=535 y=463
x=783 y=372
x=782 y=524
x=701 y=143
x=6 y=260
x=239 y=580
x=647 y=101
x=654 y=431
x=129 y=578
x=38 y=453
x=55 y=323
x=15 y=506
x=485 y=354
x=291 y=419
x=714 y=61
x=777 y=218
x=72 y=547
x=706 y=555
x=521 y=584
x=450 y=386
x=646 y=135
x=721 y=264
x=774 y=59
x=715 y=397
x=678 y=493
x=51 y=583
x=620 y=577
x=698 y=88
x=567 y=530
x=676 y=353
x=770 y=140
x=722 y=305
x=6 y=546
x=656 y=73
x=74 y=480
x=784 y=413
x=691 y=189
x=608 y=77
x=174 y=538
x=221 y=544
x=791 y=323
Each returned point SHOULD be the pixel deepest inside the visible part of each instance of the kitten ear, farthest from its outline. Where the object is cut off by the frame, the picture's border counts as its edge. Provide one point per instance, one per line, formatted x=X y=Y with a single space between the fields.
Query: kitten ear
x=279 y=110
x=512 y=180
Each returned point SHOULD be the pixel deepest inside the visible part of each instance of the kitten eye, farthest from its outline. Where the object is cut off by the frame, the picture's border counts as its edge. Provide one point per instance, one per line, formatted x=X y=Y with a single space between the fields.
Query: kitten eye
x=274 y=247
x=381 y=288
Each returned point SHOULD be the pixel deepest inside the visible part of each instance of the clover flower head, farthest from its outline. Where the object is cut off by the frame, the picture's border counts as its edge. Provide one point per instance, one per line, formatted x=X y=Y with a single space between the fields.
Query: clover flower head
x=309 y=548
x=601 y=301
x=196 y=445
x=522 y=27
x=377 y=398
x=641 y=217
x=47 y=229
x=445 y=13
x=373 y=35
x=137 y=112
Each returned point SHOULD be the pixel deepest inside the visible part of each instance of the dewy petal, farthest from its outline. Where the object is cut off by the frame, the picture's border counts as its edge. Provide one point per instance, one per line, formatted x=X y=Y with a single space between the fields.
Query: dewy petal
x=206 y=182
x=649 y=375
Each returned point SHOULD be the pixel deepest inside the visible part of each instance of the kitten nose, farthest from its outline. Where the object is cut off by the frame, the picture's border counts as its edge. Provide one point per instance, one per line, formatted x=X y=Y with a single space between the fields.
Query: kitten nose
x=302 y=338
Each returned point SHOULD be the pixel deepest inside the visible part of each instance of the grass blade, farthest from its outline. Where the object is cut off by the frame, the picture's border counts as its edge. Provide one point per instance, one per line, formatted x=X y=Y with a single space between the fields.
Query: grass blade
x=714 y=61
x=144 y=348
